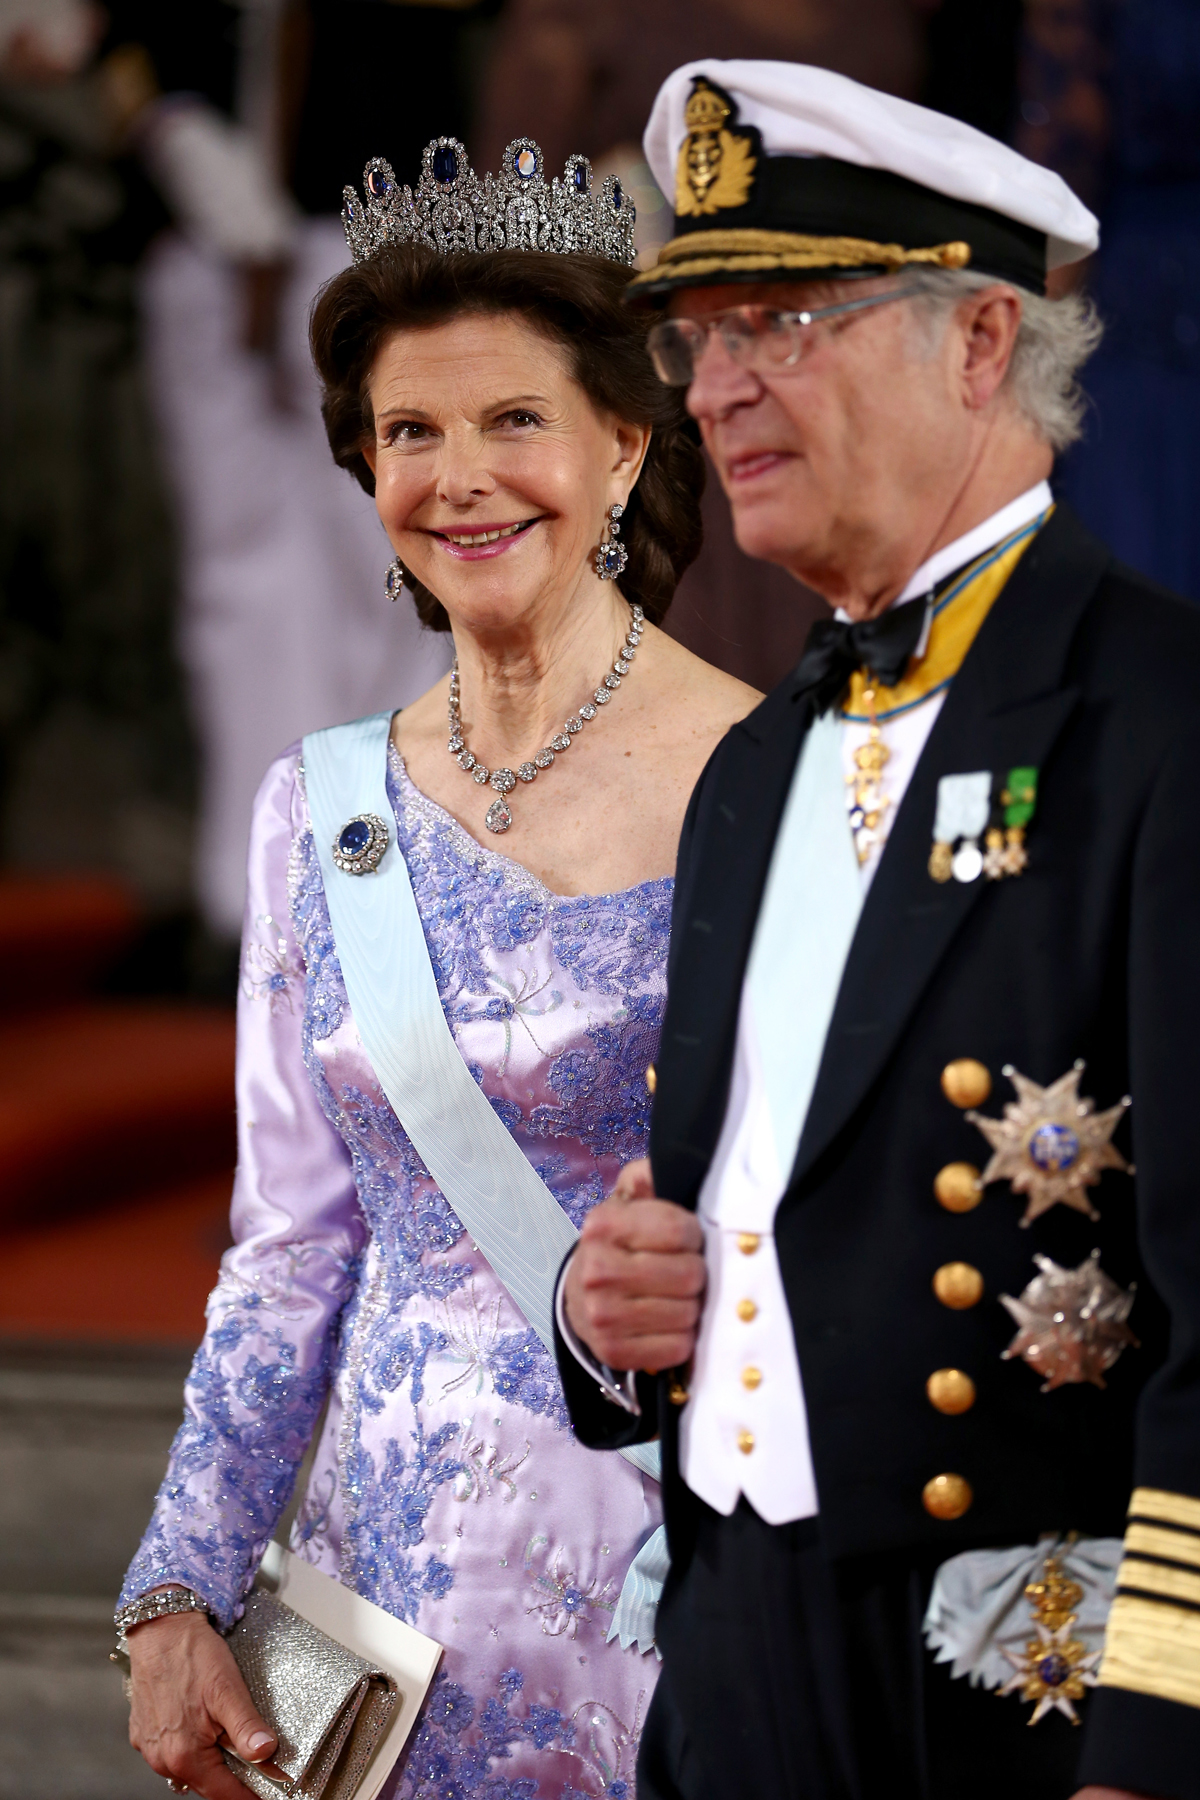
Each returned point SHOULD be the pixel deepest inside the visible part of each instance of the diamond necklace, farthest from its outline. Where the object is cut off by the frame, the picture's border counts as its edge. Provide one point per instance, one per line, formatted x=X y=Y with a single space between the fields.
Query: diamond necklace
x=499 y=813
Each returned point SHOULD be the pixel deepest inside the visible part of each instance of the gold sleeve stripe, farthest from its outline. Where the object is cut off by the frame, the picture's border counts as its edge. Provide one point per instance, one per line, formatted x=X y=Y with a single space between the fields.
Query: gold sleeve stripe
x=1152 y=1540
x=1152 y=1648
x=1161 y=1579
x=1180 y=1510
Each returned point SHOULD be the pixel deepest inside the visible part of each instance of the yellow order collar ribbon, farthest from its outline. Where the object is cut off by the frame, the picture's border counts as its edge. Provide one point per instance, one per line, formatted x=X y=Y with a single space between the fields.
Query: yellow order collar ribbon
x=957 y=617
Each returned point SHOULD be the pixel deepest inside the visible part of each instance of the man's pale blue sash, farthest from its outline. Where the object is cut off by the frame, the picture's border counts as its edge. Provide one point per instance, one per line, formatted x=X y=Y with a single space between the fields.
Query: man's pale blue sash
x=508 y=1210
x=806 y=924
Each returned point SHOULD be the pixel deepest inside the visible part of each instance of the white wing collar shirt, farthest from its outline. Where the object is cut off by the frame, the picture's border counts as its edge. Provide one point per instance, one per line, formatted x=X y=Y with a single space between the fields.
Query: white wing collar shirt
x=744 y=1429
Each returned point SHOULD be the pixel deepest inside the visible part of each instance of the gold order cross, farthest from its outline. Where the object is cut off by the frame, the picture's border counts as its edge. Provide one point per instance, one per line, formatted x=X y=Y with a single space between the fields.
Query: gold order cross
x=868 y=802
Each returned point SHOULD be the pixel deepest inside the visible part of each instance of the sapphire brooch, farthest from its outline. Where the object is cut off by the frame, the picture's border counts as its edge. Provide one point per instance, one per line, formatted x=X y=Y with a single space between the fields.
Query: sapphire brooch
x=361 y=844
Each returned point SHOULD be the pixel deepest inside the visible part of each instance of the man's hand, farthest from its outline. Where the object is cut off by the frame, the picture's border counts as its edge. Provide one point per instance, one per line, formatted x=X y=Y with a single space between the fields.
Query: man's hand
x=634 y=1286
x=188 y=1698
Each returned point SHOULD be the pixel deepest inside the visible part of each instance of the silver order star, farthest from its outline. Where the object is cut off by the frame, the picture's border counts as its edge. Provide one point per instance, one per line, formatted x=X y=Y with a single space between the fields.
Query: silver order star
x=1051 y=1144
x=1071 y=1323
x=1055 y=1653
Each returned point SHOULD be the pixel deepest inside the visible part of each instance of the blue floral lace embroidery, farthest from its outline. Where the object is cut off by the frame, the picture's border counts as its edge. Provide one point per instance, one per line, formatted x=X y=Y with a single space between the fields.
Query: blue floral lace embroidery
x=259 y=1378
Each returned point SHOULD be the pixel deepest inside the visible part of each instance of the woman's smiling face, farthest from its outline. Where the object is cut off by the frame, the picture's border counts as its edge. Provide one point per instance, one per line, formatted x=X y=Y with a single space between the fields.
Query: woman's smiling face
x=493 y=469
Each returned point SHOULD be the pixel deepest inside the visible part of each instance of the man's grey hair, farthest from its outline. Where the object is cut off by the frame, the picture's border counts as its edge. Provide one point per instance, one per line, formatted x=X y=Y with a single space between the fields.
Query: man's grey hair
x=1055 y=339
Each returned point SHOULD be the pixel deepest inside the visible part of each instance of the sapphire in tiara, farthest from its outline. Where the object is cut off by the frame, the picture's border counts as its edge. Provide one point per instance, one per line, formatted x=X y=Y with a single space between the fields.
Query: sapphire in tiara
x=361 y=844
x=516 y=209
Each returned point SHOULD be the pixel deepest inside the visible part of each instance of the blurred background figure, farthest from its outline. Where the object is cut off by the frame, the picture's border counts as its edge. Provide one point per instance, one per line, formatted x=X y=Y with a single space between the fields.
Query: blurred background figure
x=96 y=762
x=1110 y=98
x=250 y=116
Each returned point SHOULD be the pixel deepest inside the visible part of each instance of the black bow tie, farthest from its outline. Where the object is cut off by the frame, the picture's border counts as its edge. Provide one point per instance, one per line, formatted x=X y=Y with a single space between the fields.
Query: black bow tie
x=835 y=649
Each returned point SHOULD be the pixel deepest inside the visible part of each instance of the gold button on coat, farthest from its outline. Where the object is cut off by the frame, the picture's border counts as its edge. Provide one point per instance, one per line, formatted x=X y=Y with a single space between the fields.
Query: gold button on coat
x=751 y=1377
x=748 y=1242
x=951 y=1391
x=947 y=1496
x=746 y=1310
x=958 y=1285
x=652 y=1078
x=966 y=1082
x=957 y=1187
x=745 y=1442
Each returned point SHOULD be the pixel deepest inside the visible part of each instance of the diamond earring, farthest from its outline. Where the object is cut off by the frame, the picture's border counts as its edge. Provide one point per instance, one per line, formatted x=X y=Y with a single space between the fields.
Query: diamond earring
x=611 y=555
x=395 y=579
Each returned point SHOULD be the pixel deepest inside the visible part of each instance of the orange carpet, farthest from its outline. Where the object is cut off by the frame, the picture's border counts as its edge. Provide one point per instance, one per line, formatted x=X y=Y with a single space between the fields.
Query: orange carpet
x=100 y=1096
x=58 y=932
x=138 y=1272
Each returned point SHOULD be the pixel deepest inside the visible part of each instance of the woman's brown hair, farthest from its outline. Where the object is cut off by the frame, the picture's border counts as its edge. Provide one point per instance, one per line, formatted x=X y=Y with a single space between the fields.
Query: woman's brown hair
x=577 y=302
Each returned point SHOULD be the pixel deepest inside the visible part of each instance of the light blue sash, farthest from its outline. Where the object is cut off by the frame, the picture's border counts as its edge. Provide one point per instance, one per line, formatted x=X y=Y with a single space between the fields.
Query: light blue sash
x=806 y=924
x=508 y=1210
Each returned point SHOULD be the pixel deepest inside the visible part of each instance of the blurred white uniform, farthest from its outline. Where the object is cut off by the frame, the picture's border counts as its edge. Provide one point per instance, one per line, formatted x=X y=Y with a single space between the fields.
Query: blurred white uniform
x=285 y=625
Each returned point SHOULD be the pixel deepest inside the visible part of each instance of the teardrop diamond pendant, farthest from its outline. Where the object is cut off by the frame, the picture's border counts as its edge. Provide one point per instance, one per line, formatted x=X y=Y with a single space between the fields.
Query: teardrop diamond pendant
x=499 y=816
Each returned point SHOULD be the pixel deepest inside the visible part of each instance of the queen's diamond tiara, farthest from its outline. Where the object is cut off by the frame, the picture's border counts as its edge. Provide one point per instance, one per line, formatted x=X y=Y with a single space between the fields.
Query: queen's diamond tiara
x=452 y=209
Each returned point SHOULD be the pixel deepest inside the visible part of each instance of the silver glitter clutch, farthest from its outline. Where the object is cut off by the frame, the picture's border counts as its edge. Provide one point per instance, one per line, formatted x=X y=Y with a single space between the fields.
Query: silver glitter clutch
x=328 y=1706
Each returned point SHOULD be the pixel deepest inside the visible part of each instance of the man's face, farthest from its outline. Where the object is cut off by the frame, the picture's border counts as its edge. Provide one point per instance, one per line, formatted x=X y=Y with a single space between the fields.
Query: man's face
x=825 y=460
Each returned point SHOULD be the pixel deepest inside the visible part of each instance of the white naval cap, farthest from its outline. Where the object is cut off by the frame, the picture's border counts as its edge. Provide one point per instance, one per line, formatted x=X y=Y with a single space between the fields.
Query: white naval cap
x=781 y=167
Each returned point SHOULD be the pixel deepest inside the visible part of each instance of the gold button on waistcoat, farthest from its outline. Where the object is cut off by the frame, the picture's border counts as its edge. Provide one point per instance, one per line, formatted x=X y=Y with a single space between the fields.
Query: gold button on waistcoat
x=748 y=1242
x=751 y=1377
x=746 y=1310
x=947 y=1496
x=957 y=1187
x=951 y=1391
x=958 y=1285
x=966 y=1082
x=745 y=1442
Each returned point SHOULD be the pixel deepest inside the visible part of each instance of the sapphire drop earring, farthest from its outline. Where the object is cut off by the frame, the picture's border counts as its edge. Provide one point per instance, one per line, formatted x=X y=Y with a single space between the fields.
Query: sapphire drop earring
x=611 y=555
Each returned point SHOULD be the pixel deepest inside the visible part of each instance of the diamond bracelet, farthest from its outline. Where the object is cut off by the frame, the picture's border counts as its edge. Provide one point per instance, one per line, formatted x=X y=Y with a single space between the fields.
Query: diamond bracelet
x=158 y=1605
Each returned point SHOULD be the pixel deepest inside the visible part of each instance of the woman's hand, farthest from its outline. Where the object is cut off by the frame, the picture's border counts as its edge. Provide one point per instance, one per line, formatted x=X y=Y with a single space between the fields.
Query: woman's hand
x=189 y=1697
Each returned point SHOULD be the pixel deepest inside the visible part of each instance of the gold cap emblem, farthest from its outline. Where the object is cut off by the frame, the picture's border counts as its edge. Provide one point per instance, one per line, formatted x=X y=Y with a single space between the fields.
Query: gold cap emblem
x=716 y=166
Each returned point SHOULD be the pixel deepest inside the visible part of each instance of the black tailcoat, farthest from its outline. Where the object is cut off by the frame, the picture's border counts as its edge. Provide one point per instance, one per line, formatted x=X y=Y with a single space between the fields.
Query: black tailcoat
x=1089 y=673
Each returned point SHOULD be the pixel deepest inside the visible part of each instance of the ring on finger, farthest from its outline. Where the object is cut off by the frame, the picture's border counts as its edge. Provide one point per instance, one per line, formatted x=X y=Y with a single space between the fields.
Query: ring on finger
x=178 y=1787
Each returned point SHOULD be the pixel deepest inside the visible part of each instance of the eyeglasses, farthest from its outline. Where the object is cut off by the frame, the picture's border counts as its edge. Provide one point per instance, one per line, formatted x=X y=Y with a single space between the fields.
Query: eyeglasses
x=756 y=337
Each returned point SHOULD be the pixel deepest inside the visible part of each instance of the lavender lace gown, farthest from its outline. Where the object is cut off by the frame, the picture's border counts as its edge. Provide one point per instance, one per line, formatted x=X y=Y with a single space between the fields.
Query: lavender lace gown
x=448 y=1486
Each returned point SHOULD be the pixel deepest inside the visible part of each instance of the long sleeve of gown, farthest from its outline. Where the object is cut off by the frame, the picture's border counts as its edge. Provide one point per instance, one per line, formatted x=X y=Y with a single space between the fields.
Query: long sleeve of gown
x=260 y=1375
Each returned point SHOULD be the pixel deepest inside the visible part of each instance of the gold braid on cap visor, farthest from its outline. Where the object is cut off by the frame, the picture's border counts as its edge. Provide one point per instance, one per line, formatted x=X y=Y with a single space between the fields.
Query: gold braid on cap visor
x=753 y=252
